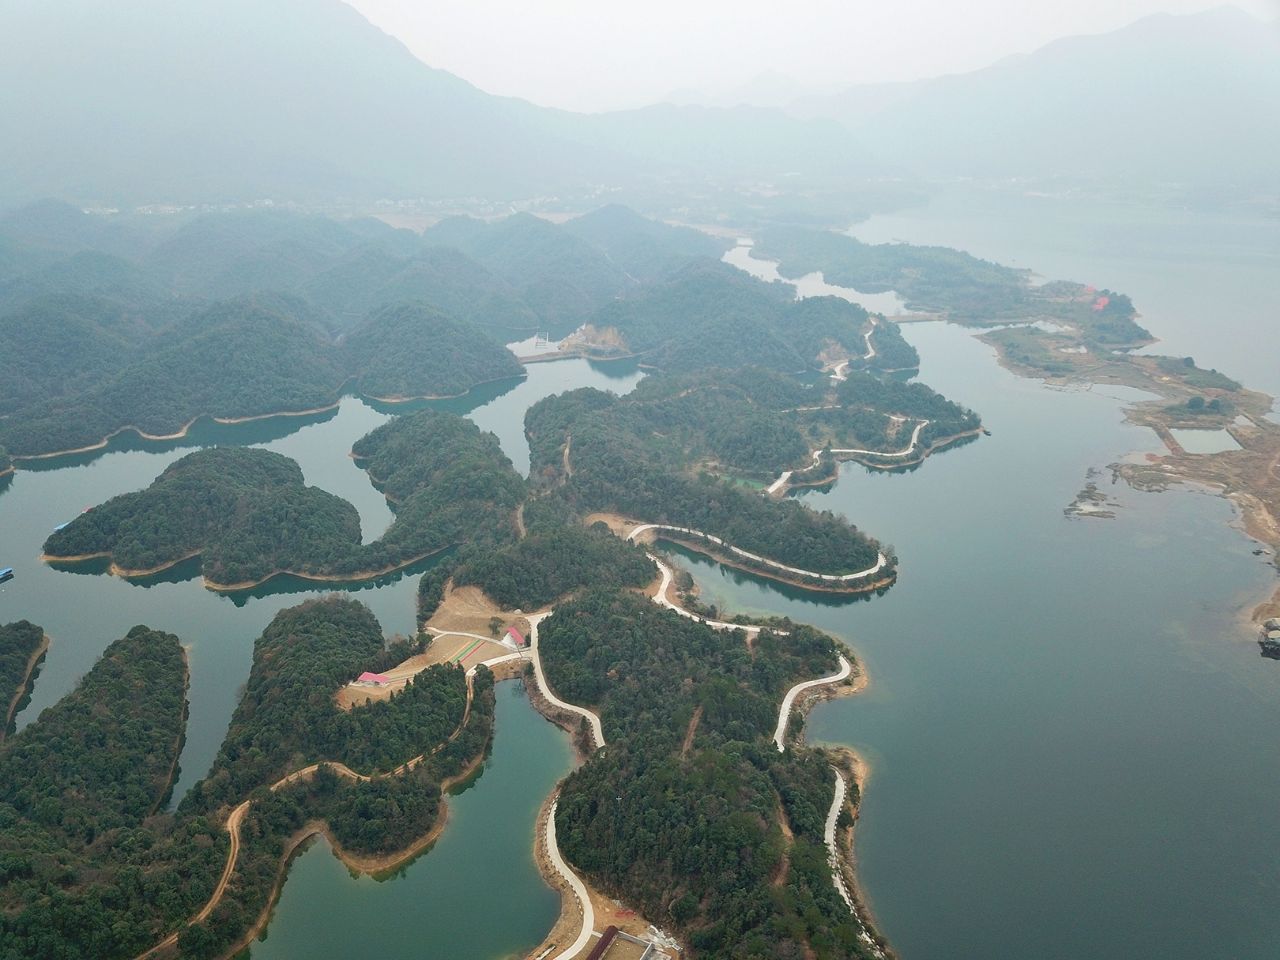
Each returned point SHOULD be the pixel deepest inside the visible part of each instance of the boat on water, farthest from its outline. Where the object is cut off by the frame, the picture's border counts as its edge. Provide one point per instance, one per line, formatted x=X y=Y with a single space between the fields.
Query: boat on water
x=6 y=574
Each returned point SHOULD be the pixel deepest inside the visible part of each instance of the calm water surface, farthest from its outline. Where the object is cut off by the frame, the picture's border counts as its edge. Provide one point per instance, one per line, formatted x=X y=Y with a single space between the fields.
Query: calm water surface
x=1206 y=283
x=84 y=611
x=477 y=894
x=1072 y=736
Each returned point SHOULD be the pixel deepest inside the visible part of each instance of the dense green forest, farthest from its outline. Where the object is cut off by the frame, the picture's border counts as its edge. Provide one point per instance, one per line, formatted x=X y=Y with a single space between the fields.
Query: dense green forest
x=562 y=277
x=18 y=643
x=412 y=350
x=613 y=468
x=695 y=838
x=940 y=279
x=112 y=323
x=892 y=350
x=288 y=718
x=547 y=564
x=90 y=866
x=6 y=462
x=236 y=359
x=645 y=249
x=249 y=515
x=710 y=314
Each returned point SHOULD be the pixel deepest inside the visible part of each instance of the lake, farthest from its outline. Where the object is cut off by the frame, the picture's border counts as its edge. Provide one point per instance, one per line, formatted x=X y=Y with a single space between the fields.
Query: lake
x=1071 y=732
x=83 y=611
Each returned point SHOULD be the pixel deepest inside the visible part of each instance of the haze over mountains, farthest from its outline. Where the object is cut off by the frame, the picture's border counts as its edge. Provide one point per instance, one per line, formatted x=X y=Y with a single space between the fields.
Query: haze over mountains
x=1191 y=98
x=184 y=101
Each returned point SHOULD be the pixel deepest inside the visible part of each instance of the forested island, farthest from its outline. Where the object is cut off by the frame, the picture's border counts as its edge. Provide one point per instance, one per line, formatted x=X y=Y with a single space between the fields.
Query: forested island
x=249 y=516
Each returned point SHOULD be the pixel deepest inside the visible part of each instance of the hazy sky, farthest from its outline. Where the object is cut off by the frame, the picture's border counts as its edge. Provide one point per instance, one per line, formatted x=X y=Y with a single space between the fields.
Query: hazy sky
x=605 y=54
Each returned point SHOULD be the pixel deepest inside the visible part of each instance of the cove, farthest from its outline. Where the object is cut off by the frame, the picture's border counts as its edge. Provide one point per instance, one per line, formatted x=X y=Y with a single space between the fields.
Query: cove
x=477 y=894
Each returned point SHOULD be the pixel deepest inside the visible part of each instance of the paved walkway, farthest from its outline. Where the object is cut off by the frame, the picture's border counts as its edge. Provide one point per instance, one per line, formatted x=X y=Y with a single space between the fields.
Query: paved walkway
x=784 y=712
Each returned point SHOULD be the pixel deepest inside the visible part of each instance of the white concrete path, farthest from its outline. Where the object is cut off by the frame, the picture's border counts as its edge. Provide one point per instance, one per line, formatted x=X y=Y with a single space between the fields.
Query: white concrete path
x=784 y=712
x=881 y=559
x=577 y=886
x=596 y=730
x=785 y=478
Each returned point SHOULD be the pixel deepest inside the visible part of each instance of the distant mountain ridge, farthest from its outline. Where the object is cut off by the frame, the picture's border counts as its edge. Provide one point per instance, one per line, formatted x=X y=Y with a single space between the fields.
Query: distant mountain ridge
x=189 y=101
x=1192 y=99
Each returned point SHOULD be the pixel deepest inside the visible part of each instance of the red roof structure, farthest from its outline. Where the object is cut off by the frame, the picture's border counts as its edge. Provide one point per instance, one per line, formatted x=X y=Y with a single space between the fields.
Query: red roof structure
x=374 y=678
x=517 y=636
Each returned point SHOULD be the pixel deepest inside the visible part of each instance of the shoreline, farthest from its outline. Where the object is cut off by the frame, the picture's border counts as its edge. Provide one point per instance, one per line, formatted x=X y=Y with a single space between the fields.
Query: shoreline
x=233 y=421
x=392 y=401
x=868 y=587
x=183 y=432
x=25 y=687
x=130 y=574
x=1238 y=476
x=858 y=769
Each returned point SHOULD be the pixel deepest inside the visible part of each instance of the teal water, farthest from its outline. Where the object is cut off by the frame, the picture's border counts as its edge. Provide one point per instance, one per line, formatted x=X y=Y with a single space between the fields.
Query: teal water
x=477 y=896
x=84 y=610
x=1072 y=736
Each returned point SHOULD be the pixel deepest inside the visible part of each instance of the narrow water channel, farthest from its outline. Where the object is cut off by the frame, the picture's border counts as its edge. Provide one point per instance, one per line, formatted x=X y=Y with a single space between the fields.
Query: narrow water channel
x=83 y=609
x=476 y=895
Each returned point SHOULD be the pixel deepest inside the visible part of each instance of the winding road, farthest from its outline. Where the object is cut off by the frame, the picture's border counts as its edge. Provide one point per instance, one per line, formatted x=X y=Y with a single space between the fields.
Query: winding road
x=575 y=884
x=881 y=559
x=833 y=857
x=784 y=714
x=785 y=478
x=237 y=815
x=597 y=732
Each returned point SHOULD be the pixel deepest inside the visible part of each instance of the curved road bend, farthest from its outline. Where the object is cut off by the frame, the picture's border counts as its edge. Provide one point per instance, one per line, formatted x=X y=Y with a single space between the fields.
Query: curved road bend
x=881 y=559
x=784 y=713
x=576 y=885
x=785 y=477
x=596 y=730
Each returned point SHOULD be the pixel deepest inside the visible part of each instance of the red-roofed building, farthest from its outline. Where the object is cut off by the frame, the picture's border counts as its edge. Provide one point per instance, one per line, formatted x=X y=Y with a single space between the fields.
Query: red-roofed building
x=517 y=636
x=368 y=679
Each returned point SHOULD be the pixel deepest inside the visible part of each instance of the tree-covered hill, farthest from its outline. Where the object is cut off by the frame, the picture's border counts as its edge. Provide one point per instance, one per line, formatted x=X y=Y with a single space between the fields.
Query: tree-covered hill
x=621 y=463
x=287 y=721
x=646 y=249
x=57 y=346
x=88 y=866
x=18 y=643
x=963 y=287
x=248 y=514
x=695 y=837
x=709 y=314
x=288 y=718
x=237 y=359
x=373 y=275
x=562 y=277
x=411 y=350
x=550 y=563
